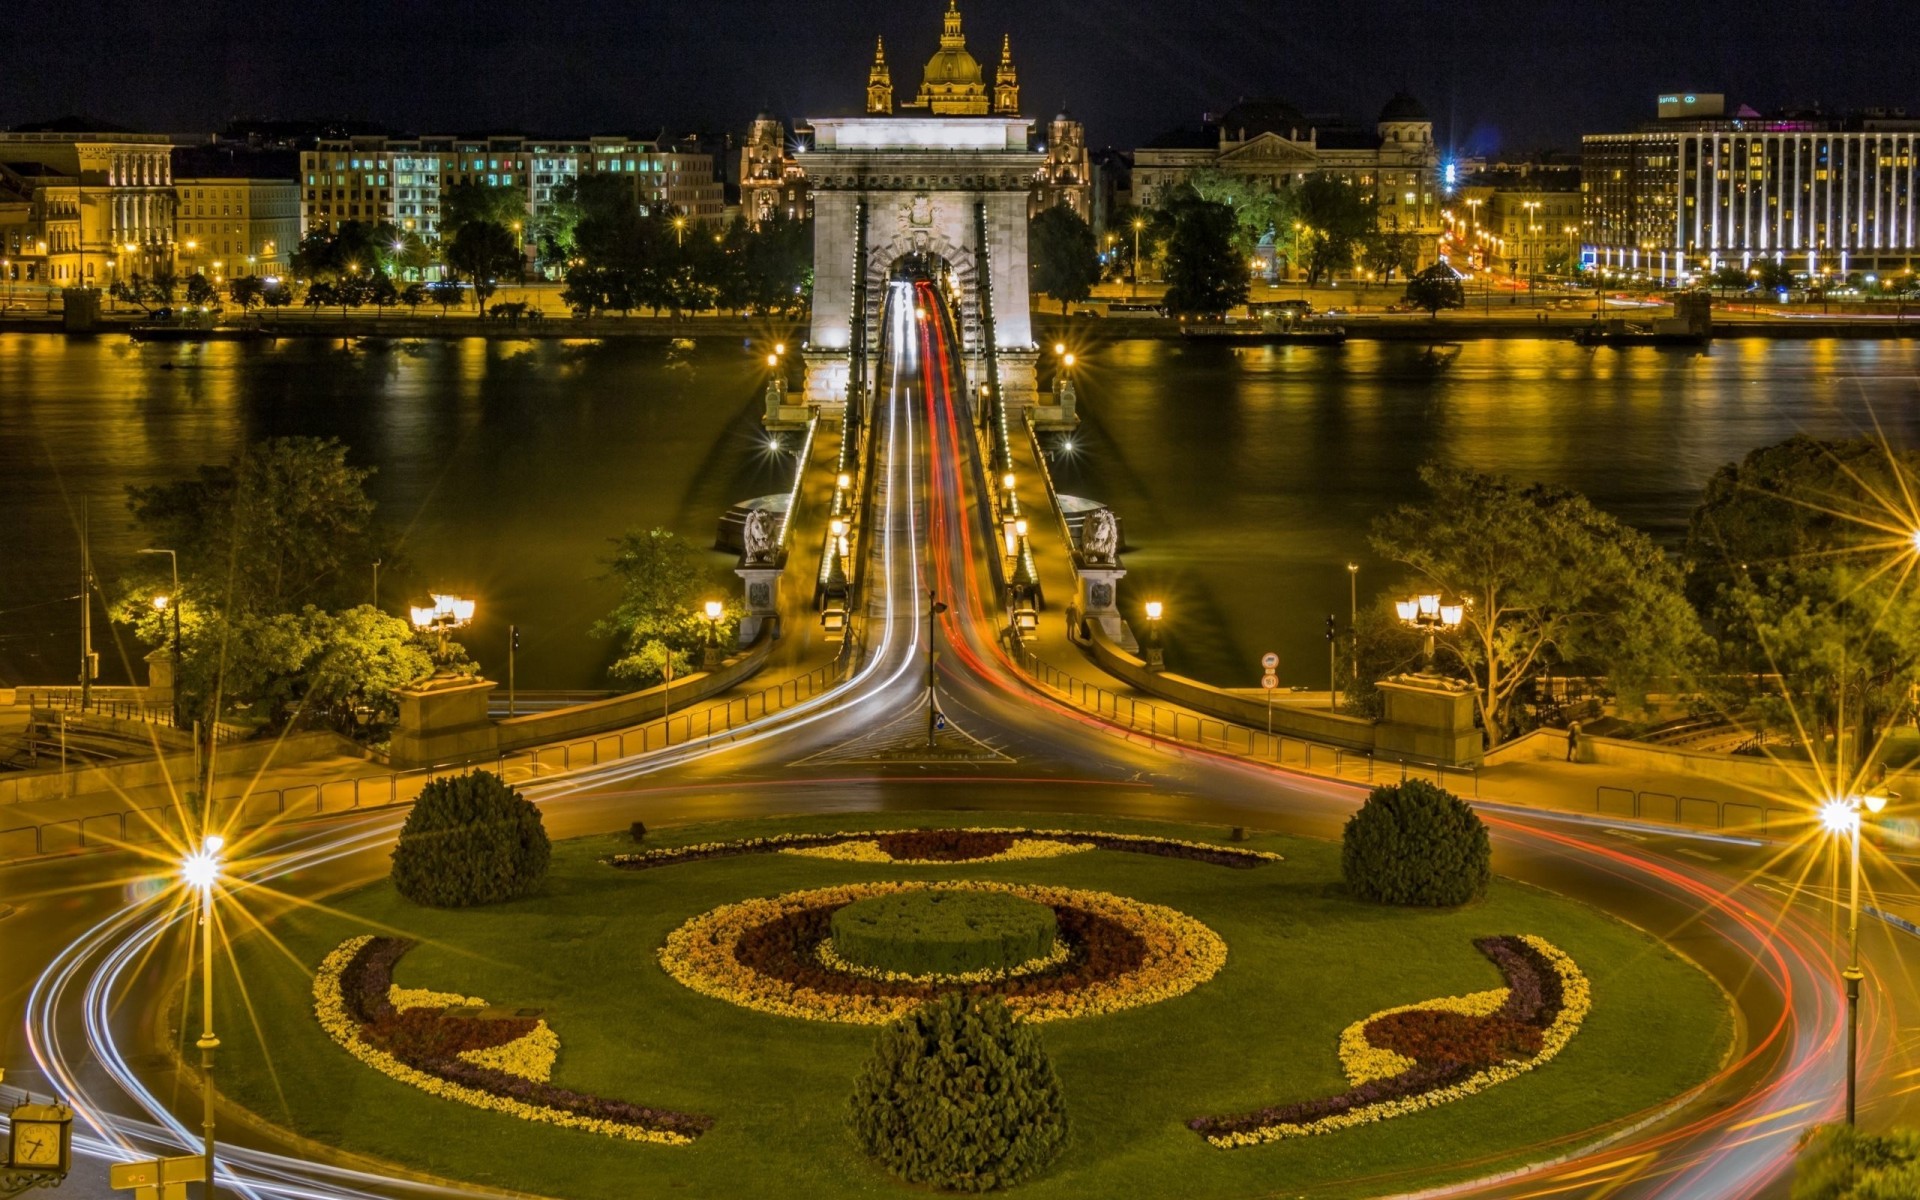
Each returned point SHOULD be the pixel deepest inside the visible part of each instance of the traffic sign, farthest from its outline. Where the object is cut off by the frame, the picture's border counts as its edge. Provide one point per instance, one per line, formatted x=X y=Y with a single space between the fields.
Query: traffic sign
x=1269 y=661
x=156 y=1173
x=939 y=720
x=1269 y=681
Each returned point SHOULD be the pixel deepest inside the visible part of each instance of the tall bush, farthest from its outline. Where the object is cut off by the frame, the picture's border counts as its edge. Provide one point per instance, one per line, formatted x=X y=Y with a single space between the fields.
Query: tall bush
x=1417 y=844
x=470 y=839
x=1838 y=1162
x=957 y=1096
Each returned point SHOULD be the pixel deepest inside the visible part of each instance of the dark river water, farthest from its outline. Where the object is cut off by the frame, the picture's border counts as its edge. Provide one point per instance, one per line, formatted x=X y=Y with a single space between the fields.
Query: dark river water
x=1246 y=478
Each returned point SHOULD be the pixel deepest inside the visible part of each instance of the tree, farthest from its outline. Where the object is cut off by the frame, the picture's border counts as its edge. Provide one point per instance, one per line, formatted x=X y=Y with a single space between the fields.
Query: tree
x=413 y=296
x=959 y=1096
x=247 y=292
x=1801 y=557
x=279 y=295
x=1839 y=1162
x=1334 y=216
x=779 y=265
x=1414 y=843
x=351 y=247
x=664 y=584
x=1730 y=278
x=1065 y=263
x=1387 y=252
x=200 y=291
x=481 y=253
x=1260 y=210
x=470 y=839
x=1436 y=288
x=1205 y=274
x=1546 y=580
x=381 y=293
x=446 y=293
x=320 y=294
x=607 y=199
x=1771 y=276
x=466 y=204
x=366 y=656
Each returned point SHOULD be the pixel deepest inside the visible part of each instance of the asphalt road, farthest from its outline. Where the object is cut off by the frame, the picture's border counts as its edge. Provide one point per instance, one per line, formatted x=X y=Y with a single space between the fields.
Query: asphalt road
x=93 y=947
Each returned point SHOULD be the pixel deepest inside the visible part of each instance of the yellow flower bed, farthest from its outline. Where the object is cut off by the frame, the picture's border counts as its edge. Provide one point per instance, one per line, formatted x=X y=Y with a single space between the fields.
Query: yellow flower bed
x=1576 y=1003
x=1181 y=955
x=1362 y=1060
x=331 y=1009
x=833 y=962
x=869 y=851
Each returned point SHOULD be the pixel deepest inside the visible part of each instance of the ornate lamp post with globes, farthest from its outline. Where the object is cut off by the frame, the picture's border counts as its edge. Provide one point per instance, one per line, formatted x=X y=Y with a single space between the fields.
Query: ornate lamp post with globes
x=1842 y=817
x=1426 y=614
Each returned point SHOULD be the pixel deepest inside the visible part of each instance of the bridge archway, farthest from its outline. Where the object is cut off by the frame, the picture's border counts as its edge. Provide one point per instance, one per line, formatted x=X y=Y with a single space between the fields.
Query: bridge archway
x=949 y=188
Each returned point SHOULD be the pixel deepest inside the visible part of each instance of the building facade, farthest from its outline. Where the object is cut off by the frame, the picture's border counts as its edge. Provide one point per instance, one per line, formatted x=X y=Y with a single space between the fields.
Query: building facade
x=1698 y=188
x=98 y=205
x=401 y=180
x=1397 y=164
x=229 y=226
x=772 y=181
x=1522 y=219
x=1066 y=179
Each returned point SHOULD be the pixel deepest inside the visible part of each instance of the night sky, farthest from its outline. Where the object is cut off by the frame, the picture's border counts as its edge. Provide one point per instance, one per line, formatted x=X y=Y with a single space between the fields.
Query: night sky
x=1497 y=75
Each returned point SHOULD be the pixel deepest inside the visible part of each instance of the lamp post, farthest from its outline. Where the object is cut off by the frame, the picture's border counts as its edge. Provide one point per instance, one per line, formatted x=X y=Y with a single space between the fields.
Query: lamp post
x=161 y=604
x=710 y=657
x=934 y=608
x=1843 y=817
x=1353 y=619
x=679 y=231
x=200 y=870
x=1139 y=223
x=1426 y=614
x=443 y=616
x=1156 y=655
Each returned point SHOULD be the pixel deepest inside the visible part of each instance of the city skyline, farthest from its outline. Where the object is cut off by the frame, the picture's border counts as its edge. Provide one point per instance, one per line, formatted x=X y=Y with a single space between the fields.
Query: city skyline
x=567 y=68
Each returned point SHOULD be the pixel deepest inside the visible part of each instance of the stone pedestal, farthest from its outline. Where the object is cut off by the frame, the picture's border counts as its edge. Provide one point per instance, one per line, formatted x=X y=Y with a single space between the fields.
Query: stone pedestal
x=1427 y=718
x=762 y=584
x=1099 y=597
x=1019 y=381
x=1063 y=414
x=444 y=720
x=826 y=390
x=160 y=683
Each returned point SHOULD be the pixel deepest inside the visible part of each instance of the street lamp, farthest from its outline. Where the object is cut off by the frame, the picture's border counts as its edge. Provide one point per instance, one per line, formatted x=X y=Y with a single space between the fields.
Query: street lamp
x=200 y=870
x=1156 y=656
x=711 y=658
x=1426 y=614
x=1843 y=817
x=679 y=231
x=1139 y=223
x=443 y=616
x=161 y=604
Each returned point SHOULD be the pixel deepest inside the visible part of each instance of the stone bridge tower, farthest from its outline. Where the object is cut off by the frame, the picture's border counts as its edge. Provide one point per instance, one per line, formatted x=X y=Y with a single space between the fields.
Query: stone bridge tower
x=945 y=179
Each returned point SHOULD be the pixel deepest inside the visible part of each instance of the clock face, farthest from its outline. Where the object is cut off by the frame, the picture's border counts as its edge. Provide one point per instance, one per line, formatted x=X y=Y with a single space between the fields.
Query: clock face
x=36 y=1145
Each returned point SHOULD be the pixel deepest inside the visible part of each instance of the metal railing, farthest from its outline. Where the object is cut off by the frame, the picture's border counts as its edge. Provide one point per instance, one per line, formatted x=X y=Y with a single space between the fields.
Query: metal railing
x=385 y=789
x=69 y=700
x=1170 y=724
x=1695 y=812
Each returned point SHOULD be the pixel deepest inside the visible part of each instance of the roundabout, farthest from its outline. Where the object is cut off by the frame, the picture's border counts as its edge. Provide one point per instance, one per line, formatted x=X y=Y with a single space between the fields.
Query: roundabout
x=633 y=1070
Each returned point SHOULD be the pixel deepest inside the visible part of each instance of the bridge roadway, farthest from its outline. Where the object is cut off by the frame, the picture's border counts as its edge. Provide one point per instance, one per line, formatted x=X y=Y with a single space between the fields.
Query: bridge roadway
x=93 y=950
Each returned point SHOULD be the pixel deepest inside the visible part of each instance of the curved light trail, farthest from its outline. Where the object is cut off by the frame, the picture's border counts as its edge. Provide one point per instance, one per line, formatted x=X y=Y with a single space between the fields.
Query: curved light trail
x=1727 y=1143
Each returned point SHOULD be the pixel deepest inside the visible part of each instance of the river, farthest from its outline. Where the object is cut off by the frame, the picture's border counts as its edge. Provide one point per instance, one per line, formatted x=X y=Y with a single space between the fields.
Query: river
x=1246 y=477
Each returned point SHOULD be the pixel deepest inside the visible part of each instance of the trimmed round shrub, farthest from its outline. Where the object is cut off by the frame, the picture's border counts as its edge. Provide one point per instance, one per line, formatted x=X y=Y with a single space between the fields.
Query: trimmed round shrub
x=957 y=1096
x=470 y=839
x=1416 y=844
x=942 y=932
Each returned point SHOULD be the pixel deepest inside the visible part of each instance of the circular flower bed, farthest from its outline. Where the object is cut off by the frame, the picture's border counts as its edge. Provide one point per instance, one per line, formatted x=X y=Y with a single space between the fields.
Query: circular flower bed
x=928 y=847
x=943 y=931
x=942 y=847
x=766 y=955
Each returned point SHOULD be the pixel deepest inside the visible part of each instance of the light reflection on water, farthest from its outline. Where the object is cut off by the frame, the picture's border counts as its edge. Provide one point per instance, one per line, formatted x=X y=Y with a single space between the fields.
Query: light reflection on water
x=508 y=464
x=1247 y=477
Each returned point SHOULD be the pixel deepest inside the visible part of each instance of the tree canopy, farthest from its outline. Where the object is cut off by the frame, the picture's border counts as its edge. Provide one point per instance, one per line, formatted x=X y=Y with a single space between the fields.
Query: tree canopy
x=1803 y=559
x=1546 y=580
x=481 y=253
x=664 y=586
x=1334 y=216
x=1065 y=261
x=1205 y=274
x=1436 y=288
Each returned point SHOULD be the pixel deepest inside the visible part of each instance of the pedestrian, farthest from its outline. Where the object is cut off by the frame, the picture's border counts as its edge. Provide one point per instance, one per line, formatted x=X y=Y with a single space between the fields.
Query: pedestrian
x=1573 y=741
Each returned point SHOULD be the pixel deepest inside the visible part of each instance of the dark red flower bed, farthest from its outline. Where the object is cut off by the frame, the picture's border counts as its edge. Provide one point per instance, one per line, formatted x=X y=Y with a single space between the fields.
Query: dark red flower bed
x=787 y=949
x=960 y=845
x=1447 y=1048
x=943 y=845
x=429 y=1041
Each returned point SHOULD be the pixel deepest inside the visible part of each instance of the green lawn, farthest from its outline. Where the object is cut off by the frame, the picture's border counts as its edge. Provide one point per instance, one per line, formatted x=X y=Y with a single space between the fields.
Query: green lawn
x=1303 y=962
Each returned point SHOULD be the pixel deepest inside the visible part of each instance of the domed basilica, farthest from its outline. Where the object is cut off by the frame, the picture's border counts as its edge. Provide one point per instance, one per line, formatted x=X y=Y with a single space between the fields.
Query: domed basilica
x=953 y=84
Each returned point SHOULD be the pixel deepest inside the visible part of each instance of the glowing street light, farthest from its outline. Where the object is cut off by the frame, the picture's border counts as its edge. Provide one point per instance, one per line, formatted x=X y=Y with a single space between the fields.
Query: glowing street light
x=711 y=658
x=1426 y=614
x=443 y=616
x=1156 y=656
x=201 y=871
x=1842 y=817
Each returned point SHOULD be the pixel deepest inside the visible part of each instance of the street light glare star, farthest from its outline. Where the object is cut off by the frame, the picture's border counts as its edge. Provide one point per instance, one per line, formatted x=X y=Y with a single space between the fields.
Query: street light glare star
x=201 y=869
x=1837 y=816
